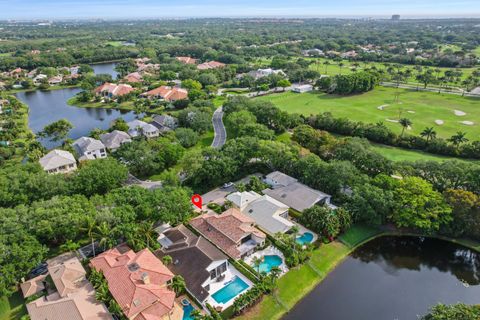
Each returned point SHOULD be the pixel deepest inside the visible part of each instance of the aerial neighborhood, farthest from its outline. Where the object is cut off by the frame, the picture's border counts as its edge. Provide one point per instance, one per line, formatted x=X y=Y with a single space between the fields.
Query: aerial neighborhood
x=214 y=168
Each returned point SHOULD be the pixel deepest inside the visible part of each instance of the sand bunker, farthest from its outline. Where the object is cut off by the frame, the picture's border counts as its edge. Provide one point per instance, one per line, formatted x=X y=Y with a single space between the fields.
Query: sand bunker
x=382 y=107
x=390 y=120
x=459 y=113
x=409 y=128
x=410 y=111
x=467 y=123
x=439 y=122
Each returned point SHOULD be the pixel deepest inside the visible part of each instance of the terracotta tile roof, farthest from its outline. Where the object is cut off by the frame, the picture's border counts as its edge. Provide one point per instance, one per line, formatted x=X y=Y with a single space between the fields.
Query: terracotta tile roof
x=125 y=273
x=114 y=89
x=66 y=274
x=33 y=286
x=227 y=229
x=133 y=77
x=168 y=93
x=187 y=60
x=211 y=65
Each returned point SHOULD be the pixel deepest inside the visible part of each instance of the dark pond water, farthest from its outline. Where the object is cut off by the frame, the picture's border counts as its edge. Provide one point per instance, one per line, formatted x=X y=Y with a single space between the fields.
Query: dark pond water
x=394 y=278
x=105 y=68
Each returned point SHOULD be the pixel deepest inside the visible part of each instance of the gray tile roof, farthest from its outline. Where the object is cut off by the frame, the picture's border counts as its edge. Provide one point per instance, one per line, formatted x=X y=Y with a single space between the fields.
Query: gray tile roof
x=56 y=158
x=266 y=213
x=280 y=178
x=115 y=139
x=297 y=195
x=87 y=144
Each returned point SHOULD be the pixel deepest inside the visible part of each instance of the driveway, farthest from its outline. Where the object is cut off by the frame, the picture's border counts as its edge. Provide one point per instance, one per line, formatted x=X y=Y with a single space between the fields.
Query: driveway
x=219 y=128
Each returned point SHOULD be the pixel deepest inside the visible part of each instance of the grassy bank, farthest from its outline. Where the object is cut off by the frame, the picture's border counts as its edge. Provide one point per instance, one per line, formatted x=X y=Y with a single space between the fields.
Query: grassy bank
x=12 y=308
x=298 y=282
x=422 y=108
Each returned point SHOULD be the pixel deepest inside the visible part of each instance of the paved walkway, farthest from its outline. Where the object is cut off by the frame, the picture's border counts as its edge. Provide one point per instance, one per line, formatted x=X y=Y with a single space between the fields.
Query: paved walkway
x=219 y=128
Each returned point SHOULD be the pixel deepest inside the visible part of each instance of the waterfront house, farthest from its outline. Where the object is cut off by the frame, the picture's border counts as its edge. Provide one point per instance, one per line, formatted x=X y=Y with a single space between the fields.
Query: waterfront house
x=113 y=140
x=167 y=93
x=56 y=80
x=89 y=148
x=71 y=296
x=111 y=90
x=231 y=231
x=58 y=161
x=133 y=77
x=139 y=283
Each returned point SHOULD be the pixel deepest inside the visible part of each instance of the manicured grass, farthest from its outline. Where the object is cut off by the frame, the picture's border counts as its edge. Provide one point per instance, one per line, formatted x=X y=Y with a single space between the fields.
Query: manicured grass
x=12 y=308
x=427 y=108
x=358 y=234
x=477 y=51
x=284 y=137
x=114 y=43
x=399 y=154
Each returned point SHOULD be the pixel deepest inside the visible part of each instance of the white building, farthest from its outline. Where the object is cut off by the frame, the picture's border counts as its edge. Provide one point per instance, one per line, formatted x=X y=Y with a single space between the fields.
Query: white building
x=302 y=88
x=260 y=73
x=58 y=161
x=138 y=128
x=89 y=148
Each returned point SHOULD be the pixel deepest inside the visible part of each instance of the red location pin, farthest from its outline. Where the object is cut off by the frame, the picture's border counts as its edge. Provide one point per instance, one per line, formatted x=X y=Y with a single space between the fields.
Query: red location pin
x=197 y=201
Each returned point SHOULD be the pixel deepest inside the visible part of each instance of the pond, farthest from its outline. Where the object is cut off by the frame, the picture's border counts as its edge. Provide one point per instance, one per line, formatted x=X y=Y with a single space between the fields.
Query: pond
x=49 y=106
x=105 y=68
x=394 y=278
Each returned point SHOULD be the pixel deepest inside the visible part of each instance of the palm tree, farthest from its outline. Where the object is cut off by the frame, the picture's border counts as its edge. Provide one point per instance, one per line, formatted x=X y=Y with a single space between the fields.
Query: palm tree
x=458 y=138
x=90 y=225
x=428 y=133
x=405 y=123
x=115 y=308
x=102 y=294
x=257 y=261
x=326 y=64
x=340 y=65
x=178 y=284
x=295 y=230
x=105 y=234
x=167 y=260
x=69 y=246
x=147 y=229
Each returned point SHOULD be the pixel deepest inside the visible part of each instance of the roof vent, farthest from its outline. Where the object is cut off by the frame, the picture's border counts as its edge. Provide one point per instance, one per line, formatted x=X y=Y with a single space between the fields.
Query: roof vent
x=176 y=262
x=132 y=267
x=136 y=302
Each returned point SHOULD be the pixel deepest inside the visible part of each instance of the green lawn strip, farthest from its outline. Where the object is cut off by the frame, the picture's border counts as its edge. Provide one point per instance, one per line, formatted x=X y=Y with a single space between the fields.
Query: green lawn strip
x=12 y=308
x=358 y=234
x=422 y=108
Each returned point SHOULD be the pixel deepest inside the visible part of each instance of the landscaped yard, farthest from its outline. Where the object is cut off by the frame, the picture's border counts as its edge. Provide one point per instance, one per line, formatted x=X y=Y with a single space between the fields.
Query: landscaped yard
x=298 y=282
x=422 y=108
x=12 y=308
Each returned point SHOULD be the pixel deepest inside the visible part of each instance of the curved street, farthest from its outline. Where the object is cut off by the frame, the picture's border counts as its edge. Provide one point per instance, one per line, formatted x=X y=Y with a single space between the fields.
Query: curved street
x=219 y=128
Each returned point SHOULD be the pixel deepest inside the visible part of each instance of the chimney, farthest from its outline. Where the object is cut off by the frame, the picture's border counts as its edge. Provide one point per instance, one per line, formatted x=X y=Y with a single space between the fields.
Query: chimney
x=145 y=278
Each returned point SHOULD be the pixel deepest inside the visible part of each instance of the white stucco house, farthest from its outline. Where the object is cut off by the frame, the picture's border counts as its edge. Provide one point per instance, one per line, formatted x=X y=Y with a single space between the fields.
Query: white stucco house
x=58 y=161
x=89 y=148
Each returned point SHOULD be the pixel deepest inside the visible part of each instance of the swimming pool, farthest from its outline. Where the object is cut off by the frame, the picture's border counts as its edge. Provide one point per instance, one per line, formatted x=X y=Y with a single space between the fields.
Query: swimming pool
x=230 y=291
x=269 y=262
x=187 y=311
x=305 y=238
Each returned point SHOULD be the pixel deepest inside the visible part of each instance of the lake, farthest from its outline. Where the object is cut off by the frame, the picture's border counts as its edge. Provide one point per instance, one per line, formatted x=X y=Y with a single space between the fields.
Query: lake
x=393 y=278
x=105 y=68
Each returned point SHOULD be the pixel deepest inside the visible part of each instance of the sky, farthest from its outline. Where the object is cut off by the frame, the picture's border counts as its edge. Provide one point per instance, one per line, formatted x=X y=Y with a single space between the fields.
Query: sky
x=112 y=9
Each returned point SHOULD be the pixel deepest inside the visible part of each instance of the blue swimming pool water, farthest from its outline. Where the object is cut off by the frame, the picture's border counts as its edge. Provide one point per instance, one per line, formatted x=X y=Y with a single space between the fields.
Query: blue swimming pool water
x=187 y=311
x=307 y=237
x=269 y=262
x=230 y=291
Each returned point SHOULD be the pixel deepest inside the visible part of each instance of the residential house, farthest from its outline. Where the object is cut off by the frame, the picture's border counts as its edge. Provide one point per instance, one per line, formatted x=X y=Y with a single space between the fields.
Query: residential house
x=167 y=93
x=58 y=161
x=302 y=88
x=89 y=148
x=113 y=140
x=231 y=231
x=56 y=80
x=133 y=77
x=349 y=54
x=39 y=78
x=187 y=60
x=112 y=90
x=139 y=283
x=17 y=73
x=165 y=123
x=210 y=65
x=294 y=194
x=261 y=73
x=74 y=297
x=313 y=53
x=138 y=127
x=269 y=214
x=194 y=258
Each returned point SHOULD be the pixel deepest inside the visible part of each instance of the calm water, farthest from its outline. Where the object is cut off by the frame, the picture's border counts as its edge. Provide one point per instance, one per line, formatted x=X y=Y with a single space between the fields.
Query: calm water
x=105 y=68
x=394 y=278
x=49 y=106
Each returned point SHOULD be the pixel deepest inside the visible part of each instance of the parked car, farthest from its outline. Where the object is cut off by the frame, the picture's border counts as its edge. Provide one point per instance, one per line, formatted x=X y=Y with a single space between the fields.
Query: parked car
x=228 y=185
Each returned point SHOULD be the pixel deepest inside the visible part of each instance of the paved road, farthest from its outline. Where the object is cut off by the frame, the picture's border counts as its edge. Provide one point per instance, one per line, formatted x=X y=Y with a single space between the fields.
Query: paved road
x=219 y=128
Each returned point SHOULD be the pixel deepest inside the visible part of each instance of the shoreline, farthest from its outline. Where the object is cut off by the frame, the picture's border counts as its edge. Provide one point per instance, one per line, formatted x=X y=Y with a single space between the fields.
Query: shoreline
x=269 y=307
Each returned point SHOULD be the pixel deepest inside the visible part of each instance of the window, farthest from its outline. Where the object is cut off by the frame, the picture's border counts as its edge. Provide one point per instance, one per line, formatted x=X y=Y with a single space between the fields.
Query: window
x=213 y=274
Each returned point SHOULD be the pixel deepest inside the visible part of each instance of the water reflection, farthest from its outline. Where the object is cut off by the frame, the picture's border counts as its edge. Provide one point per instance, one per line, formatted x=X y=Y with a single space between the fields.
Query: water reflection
x=394 y=278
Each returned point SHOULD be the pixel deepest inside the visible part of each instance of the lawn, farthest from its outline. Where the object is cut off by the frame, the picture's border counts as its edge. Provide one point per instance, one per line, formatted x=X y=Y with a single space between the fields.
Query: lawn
x=422 y=108
x=114 y=43
x=12 y=308
x=358 y=234
x=477 y=51
x=298 y=282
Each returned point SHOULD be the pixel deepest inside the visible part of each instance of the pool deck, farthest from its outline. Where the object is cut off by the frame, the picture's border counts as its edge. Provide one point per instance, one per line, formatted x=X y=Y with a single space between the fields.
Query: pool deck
x=214 y=287
x=269 y=251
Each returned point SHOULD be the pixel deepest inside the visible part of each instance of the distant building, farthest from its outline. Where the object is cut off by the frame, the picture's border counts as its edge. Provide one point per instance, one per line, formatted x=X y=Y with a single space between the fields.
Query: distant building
x=111 y=90
x=396 y=17
x=260 y=73
x=187 y=60
x=133 y=77
x=167 y=93
x=210 y=65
